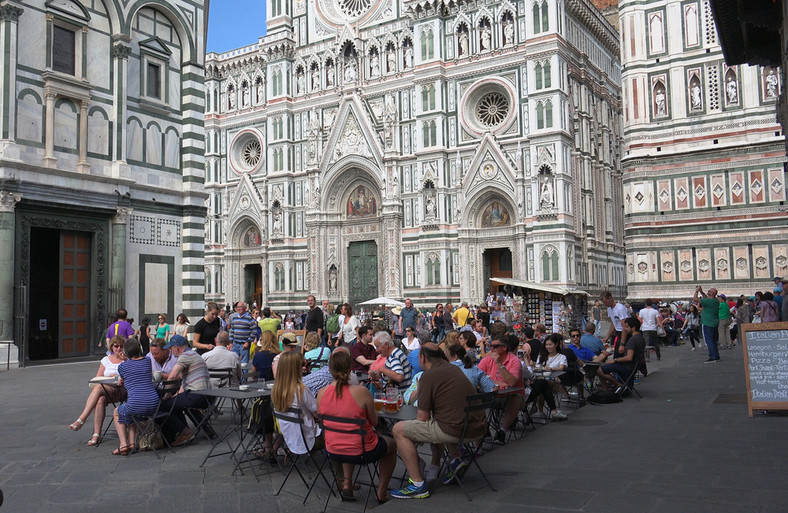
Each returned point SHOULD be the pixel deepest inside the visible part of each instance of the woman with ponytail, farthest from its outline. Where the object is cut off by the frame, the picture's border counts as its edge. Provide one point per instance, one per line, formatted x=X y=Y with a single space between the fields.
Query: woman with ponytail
x=458 y=356
x=341 y=399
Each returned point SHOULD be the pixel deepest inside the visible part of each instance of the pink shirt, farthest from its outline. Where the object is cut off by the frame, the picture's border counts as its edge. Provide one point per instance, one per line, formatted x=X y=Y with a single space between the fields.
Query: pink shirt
x=512 y=364
x=339 y=443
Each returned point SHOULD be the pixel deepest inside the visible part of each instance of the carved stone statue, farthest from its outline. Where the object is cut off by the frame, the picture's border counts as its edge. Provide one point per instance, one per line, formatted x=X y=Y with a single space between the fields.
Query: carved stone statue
x=732 y=90
x=508 y=33
x=374 y=65
x=408 y=56
x=245 y=96
x=278 y=223
x=391 y=61
x=231 y=99
x=430 y=207
x=546 y=196
x=350 y=71
x=300 y=82
x=332 y=279
x=486 y=39
x=330 y=77
x=771 y=84
x=695 y=96
x=315 y=79
x=463 y=44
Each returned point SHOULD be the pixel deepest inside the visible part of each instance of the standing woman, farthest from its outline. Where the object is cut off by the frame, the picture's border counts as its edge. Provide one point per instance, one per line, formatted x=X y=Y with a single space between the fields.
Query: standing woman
x=162 y=328
x=438 y=327
x=769 y=311
x=182 y=326
x=143 y=334
x=743 y=316
x=691 y=325
x=350 y=325
x=135 y=375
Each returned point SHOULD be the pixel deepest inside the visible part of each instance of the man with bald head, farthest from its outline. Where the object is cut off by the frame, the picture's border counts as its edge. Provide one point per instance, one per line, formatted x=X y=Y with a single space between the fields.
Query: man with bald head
x=709 y=320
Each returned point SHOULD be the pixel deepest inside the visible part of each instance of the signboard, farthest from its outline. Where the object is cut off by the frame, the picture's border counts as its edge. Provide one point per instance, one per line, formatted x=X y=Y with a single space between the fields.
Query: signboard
x=766 y=365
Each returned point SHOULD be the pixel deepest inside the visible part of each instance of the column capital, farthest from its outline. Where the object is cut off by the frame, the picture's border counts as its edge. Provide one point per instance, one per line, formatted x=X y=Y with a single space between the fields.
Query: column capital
x=10 y=13
x=121 y=51
x=8 y=201
x=122 y=215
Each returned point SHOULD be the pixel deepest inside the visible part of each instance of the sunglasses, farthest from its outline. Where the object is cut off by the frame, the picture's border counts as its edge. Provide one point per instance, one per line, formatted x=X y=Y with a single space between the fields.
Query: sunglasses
x=497 y=345
x=116 y=345
x=575 y=336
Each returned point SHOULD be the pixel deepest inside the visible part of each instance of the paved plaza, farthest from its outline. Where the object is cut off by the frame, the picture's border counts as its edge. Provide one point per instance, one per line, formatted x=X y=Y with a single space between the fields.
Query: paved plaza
x=689 y=445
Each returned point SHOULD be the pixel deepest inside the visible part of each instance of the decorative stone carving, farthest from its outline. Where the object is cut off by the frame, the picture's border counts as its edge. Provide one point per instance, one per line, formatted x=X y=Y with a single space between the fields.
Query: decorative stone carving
x=121 y=51
x=122 y=215
x=8 y=201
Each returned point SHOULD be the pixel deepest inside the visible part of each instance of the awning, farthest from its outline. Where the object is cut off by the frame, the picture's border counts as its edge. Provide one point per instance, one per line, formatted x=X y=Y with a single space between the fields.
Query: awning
x=538 y=286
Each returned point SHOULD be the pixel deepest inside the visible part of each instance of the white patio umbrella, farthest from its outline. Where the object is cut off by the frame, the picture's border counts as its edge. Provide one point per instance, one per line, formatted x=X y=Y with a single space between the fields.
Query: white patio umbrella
x=386 y=301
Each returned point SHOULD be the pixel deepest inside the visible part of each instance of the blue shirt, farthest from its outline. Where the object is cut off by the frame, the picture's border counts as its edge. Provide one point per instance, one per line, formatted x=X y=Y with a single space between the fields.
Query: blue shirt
x=583 y=353
x=413 y=358
x=591 y=342
x=479 y=379
x=408 y=316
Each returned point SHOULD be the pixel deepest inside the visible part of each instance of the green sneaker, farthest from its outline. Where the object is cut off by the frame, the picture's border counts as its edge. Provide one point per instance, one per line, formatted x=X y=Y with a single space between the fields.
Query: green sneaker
x=457 y=469
x=411 y=491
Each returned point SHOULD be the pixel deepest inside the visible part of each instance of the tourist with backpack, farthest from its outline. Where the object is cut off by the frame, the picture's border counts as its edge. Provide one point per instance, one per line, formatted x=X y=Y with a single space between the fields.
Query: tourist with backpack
x=332 y=325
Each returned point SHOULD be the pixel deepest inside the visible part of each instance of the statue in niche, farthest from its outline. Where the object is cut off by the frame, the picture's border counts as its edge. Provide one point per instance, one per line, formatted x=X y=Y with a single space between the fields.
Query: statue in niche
x=330 y=76
x=546 y=194
x=431 y=209
x=278 y=223
x=374 y=65
x=315 y=79
x=732 y=90
x=463 y=44
x=231 y=99
x=695 y=95
x=391 y=60
x=350 y=71
x=408 y=56
x=245 y=96
x=332 y=278
x=659 y=99
x=486 y=39
x=259 y=92
x=300 y=82
x=508 y=33
x=314 y=123
x=771 y=84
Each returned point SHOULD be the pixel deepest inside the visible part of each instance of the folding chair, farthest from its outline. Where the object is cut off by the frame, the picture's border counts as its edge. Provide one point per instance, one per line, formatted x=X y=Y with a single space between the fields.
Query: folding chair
x=150 y=425
x=252 y=438
x=293 y=415
x=577 y=378
x=348 y=426
x=478 y=402
x=629 y=383
x=114 y=406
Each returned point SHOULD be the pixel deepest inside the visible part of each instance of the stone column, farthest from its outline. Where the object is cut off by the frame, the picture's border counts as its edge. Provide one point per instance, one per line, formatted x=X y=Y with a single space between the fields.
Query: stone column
x=8 y=203
x=83 y=166
x=9 y=18
x=117 y=279
x=49 y=159
x=120 y=58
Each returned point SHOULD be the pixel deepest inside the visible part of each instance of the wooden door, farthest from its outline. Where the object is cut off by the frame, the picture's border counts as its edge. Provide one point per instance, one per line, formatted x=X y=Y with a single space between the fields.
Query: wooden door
x=74 y=293
x=363 y=263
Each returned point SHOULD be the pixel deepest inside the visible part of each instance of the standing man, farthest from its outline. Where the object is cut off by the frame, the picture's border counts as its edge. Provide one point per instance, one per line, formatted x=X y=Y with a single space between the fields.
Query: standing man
x=314 y=319
x=270 y=321
x=442 y=392
x=462 y=315
x=242 y=331
x=206 y=329
x=448 y=316
x=121 y=327
x=709 y=320
x=724 y=328
x=596 y=315
x=408 y=317
x=617 y=313
x=648 y=320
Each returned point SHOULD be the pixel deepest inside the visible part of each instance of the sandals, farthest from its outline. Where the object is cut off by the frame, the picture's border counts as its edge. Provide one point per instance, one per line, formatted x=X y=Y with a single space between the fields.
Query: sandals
x=341 y=484
x=76 y=425
x=346 y=494
x=94 y=440
x=121 y=451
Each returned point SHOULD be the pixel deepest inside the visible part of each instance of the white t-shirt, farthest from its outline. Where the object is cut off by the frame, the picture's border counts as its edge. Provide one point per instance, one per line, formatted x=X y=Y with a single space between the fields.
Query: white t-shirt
x=554 y=362
x=617 y=314
x=648 y=317
x=415 y=344
x=110 y=369
x=349 y=329
x=292 y=431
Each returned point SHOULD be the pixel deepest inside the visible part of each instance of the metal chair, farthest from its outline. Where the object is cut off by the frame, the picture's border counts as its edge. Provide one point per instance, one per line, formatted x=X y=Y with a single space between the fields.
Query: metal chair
x=629 y=384
x=252 y=438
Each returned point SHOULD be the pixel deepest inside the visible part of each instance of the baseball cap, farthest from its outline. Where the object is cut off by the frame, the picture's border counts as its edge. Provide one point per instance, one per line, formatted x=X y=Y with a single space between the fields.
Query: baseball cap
x=722 y=296
x=289 y=339
x=176 y=340
x=776 y=278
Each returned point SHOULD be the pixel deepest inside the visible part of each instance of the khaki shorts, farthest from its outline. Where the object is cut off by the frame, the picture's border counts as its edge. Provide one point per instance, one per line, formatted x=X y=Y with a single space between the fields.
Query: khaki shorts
x=429 y=431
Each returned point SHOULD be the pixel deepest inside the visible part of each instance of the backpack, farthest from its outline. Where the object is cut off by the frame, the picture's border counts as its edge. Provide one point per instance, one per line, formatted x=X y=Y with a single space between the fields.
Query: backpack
x=332 y=324
x=604 y=397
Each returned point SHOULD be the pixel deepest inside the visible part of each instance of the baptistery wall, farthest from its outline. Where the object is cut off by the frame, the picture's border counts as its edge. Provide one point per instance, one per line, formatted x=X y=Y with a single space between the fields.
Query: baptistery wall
x=414 y=149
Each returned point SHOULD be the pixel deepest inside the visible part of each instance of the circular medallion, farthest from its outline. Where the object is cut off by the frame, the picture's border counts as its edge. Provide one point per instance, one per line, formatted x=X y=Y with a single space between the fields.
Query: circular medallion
x=492 y=108
x=245 y=202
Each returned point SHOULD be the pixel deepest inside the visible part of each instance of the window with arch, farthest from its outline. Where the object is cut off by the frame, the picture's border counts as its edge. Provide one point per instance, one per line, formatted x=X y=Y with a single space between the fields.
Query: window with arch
x=433 y=270
x=542 y=75
x=279 y=277
x=541 y=17
x=544 y=114
x=427 y=44
x=429 y=133
x=278 y=130
x=550 y=264
x=276 y=8
x=276 y=83
x=428 y=97
x=218 y=281
x=278 y=159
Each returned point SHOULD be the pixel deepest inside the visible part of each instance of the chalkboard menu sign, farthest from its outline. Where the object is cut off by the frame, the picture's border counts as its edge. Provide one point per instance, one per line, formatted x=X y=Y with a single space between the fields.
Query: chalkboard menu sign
x=766 y=365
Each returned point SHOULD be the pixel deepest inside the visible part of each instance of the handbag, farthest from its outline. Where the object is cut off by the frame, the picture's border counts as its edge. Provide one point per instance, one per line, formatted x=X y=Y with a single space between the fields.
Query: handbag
x=661 y=331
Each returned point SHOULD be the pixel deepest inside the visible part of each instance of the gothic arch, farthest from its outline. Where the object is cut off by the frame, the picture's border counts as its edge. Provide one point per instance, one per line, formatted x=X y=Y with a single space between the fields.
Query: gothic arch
x=475 y=206
x=240 y=226
x=341 y=179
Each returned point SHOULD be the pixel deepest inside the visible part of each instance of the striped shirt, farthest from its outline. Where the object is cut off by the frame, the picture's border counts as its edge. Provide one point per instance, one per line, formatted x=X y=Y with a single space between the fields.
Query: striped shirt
x=398 y=362
x=242 y=329
x=195 y=372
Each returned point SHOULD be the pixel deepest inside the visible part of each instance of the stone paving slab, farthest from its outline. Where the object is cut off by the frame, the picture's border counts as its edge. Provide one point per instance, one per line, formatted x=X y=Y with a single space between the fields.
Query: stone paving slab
x=681 y=448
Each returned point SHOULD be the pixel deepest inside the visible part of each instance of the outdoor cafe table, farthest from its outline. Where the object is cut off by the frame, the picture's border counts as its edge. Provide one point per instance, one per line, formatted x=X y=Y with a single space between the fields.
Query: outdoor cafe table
x=406 y=412
x=238 y=399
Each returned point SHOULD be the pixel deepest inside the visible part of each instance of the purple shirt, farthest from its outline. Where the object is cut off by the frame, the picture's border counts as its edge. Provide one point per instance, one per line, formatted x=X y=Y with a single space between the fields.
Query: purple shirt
x=121 y=328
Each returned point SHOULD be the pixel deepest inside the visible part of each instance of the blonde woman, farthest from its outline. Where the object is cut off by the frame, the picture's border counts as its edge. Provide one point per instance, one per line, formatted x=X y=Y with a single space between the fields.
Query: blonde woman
x=290 y=392
x=313 y=351
x=264 y=357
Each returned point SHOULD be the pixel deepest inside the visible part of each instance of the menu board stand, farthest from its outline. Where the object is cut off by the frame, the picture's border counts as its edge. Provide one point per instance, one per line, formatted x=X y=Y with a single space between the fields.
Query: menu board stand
x=766 y=365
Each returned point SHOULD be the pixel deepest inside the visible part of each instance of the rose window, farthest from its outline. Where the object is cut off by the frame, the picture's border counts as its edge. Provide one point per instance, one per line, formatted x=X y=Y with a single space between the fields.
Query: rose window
x=354 y=8
x=492 y=109
x=251 y=153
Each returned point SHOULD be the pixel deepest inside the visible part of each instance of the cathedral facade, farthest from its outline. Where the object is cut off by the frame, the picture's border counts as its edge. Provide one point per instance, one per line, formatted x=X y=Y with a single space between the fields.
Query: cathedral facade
x=101 y=169
x=366 y=148
x=704 y=165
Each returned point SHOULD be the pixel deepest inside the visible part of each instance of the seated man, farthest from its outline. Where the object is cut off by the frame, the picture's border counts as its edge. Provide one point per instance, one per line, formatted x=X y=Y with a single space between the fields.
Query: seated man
x=363 y=354
x=397 y=369
x=622 y=365
x=322 y=377
x=506 y=370
x=590 y=341
x=222 y=357
x=162 y=360
x=194 y=372
x=583 y=353
x=443 y=390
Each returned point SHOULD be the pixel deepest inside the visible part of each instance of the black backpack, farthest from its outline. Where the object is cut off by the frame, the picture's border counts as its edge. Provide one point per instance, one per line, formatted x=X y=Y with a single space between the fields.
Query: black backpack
x=604 y=397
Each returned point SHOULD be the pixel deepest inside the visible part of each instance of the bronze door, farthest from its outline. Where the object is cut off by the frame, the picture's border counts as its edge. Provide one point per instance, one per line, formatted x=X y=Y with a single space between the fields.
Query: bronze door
x=363 y=263
x=74 y=293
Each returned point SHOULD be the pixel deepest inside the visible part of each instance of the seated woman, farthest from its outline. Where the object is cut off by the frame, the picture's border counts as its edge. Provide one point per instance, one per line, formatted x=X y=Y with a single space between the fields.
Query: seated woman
x=100 y=394
x=263 y=360
x=290 y=392
x=541 y=389
x=314 y=352
x=458 y=356
x=468 y=342
x=135 y=374
x=341 y=399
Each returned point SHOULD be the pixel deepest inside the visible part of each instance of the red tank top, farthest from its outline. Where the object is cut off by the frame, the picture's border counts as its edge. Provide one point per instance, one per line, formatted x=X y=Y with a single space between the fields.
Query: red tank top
x=340 y=443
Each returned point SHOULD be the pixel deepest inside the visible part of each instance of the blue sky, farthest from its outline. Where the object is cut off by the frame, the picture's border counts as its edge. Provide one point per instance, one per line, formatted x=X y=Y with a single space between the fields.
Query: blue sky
x=235 y=23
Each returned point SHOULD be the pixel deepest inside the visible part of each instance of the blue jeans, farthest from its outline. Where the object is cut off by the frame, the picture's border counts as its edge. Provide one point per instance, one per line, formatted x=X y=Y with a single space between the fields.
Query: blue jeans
x=710 y=334
x=243 y=354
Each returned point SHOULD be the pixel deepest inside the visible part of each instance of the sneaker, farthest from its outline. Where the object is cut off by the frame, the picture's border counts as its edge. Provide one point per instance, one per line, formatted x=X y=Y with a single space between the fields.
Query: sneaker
x=694 y=348
x=411 y=491
x=712 y=360
x=500 y=437
x=457 y=468
x=431 y=472
x=557 y=416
